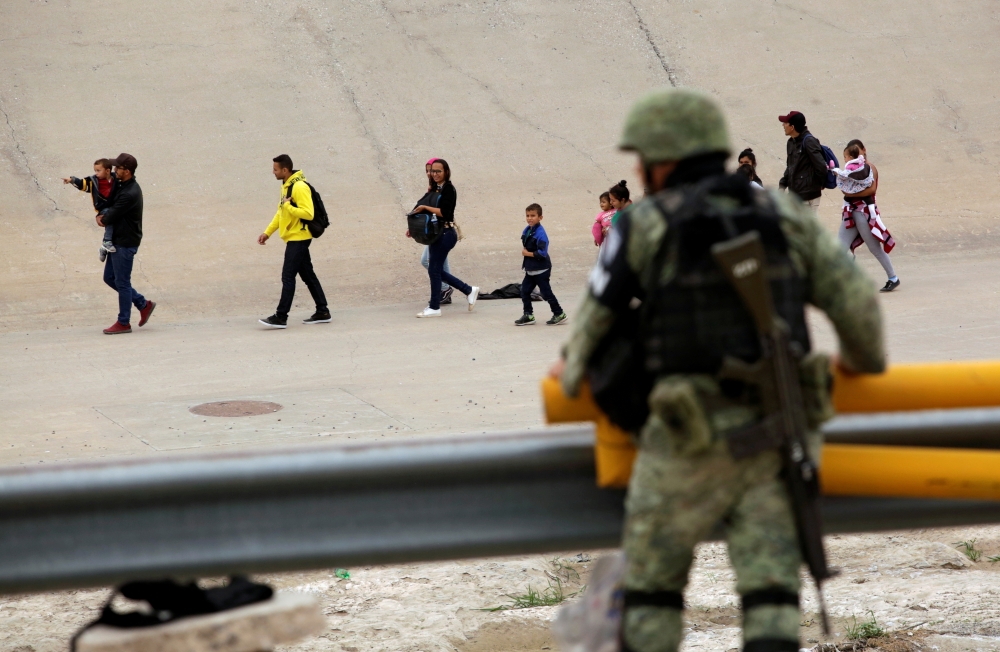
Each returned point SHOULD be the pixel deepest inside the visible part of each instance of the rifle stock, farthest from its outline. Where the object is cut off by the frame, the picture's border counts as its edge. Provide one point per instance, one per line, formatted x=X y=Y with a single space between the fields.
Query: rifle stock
x=744 y=263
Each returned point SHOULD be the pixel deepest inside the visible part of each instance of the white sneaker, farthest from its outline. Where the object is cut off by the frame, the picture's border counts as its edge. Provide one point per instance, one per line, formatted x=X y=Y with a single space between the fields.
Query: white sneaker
x=427 y=312
x=473 y=296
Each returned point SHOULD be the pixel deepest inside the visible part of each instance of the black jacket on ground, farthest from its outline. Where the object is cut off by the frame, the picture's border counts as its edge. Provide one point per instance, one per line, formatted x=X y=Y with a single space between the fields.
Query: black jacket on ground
x=125 y=212
x=805 y=174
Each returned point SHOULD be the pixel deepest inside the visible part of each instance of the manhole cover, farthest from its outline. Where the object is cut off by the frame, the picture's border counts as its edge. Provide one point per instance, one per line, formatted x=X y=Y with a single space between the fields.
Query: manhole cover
x=235 y=408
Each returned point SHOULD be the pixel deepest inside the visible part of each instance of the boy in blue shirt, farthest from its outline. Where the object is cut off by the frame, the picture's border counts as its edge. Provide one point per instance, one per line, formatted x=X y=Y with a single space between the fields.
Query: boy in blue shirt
x=537 y=268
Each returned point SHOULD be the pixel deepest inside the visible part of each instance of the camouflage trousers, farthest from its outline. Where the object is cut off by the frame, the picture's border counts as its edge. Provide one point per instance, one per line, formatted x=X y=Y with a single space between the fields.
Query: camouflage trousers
x=674 y=502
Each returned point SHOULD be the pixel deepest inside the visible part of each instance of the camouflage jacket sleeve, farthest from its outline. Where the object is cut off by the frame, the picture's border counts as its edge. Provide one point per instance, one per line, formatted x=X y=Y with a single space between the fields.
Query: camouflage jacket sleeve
x=837 y=286
x=614 y=281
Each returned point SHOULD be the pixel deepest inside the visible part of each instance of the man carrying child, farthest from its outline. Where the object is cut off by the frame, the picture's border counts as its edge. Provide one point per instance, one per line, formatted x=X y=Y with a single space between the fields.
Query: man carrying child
x=537 y=268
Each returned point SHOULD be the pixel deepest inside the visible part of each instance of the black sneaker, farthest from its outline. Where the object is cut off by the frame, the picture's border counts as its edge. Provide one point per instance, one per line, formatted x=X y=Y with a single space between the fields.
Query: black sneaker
x=890 y=286
x=525 y=320
x=319 y=317
x=446 y=295
x=274 y=321
x=557 y=319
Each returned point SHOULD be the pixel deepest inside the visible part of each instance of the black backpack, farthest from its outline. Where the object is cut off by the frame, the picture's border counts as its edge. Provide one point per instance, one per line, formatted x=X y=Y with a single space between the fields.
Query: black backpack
x=321 y=220
x=425 y=228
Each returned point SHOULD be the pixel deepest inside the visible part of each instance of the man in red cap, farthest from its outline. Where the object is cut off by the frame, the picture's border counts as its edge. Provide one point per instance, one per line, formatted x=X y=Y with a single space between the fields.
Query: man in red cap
x=806 y=168
x=125 y=213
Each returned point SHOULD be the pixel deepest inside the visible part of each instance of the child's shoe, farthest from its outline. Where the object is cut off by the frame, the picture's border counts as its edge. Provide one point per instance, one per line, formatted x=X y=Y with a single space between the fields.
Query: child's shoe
x=109 y=246
x=525 y=320
x=103 y=253
x=557 y=319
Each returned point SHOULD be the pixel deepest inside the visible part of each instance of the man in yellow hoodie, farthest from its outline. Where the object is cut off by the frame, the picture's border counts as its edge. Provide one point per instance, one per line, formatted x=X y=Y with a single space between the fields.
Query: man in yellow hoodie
x=294 y=210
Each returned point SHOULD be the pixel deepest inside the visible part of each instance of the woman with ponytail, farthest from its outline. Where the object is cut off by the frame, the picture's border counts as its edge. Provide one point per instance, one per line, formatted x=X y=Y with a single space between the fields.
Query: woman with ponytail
x=619 y=199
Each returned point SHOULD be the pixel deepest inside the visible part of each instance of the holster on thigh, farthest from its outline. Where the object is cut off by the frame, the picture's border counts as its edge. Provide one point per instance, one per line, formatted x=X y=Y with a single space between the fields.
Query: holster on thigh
x=675 y=401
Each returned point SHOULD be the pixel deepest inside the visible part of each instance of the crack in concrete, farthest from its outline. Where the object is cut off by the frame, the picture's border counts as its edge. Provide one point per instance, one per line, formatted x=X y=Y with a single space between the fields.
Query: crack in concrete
x=27 y=164
x=381 y=159
x=485 y=87
x=671 y=75
x=55 y=205
x=98 y=410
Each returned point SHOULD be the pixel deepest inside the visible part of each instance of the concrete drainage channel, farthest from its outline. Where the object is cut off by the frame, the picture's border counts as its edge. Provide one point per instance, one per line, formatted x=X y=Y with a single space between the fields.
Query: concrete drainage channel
x=235 y=408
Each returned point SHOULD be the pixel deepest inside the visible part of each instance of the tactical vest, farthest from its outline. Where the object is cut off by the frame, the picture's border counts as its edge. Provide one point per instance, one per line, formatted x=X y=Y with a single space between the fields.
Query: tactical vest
x=693 y=317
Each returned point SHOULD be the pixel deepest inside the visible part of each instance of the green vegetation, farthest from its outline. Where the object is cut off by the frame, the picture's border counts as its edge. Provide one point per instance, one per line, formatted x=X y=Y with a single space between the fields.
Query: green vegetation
x=970 y=550
x=551 y=595
x=867 y=628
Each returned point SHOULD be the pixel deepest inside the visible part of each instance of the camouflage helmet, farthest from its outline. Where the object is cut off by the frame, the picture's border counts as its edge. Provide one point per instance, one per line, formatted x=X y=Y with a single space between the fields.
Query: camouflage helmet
x=674 y=124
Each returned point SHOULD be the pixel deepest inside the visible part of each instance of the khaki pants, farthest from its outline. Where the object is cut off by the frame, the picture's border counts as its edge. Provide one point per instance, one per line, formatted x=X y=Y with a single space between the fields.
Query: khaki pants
x=674 y=502
x=813 y=205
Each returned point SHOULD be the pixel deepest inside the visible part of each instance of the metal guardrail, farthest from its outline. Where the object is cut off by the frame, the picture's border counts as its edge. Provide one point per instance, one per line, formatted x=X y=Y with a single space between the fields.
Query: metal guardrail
x=956 y=428
x=93 y=524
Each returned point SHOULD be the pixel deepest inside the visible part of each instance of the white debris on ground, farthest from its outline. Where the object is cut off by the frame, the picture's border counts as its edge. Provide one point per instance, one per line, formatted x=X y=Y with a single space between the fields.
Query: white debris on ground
x=919 y=586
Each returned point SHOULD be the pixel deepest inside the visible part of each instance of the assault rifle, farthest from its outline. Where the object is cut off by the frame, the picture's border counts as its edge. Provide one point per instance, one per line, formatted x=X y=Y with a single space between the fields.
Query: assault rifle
x=776 y=375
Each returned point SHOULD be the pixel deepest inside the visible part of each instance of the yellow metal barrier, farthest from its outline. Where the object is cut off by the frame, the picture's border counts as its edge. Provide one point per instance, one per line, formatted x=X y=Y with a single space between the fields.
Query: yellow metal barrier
x=850 y=470
x=928 y=386
x=897 y=471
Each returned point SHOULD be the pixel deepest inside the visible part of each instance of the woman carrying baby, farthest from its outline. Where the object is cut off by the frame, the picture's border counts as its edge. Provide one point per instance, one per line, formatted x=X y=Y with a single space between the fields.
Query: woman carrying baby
x=861 y=222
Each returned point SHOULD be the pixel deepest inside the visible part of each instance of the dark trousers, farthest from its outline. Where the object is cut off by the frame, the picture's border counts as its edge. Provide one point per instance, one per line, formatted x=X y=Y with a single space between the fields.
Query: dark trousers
x=542 y=281
x=435 y=268
x=298 y=261
x=118 y=276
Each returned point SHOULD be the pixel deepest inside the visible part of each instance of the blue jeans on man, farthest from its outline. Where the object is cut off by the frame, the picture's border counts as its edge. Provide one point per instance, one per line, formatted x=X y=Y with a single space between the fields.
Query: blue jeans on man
x=118 y=276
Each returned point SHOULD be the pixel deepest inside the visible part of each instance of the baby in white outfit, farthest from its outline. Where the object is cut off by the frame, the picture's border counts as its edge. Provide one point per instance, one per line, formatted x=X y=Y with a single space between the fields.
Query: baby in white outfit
x=857 y=175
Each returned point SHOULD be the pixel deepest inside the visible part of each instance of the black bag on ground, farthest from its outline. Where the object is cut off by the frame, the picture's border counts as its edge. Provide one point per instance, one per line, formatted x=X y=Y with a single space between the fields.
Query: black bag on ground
x=321 y=220
x=170 y=601
x=509 y=291
x=425 y=228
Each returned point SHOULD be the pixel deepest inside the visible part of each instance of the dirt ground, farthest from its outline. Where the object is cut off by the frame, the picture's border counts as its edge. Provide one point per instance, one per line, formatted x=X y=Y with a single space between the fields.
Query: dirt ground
x=919 y=587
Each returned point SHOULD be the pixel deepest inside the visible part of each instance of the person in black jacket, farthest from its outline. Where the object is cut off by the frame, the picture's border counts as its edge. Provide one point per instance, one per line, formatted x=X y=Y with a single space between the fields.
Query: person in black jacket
x=438 y=250
x=125 y=213
x=805 y=172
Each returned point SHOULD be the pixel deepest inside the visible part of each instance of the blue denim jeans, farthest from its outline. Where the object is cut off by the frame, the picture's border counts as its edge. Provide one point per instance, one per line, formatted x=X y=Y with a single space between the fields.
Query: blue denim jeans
x=425 y=260
x=435 y=268
x=542 y=282
x=118 y=276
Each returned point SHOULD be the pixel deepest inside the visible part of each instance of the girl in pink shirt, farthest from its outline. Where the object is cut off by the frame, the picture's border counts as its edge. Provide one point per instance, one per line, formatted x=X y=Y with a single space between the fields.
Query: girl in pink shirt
x=602 y=223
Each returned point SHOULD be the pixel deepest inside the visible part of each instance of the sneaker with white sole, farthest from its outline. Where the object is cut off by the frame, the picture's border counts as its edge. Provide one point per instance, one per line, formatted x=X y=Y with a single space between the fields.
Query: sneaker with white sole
x=103 y=253
x=473 y=296
x=274 y=321
x=319 y=317
x=557 y=319
x=427 y=312
x=109 y=246
x=446 y=295
x=525 y=320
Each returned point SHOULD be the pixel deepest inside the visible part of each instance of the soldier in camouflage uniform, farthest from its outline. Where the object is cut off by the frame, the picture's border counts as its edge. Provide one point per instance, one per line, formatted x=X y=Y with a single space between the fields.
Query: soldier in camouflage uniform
x=685 y=480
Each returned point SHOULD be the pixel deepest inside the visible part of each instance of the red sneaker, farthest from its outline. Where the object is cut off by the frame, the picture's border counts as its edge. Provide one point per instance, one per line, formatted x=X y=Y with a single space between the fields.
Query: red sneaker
x=117 y=328
x=146 y=312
